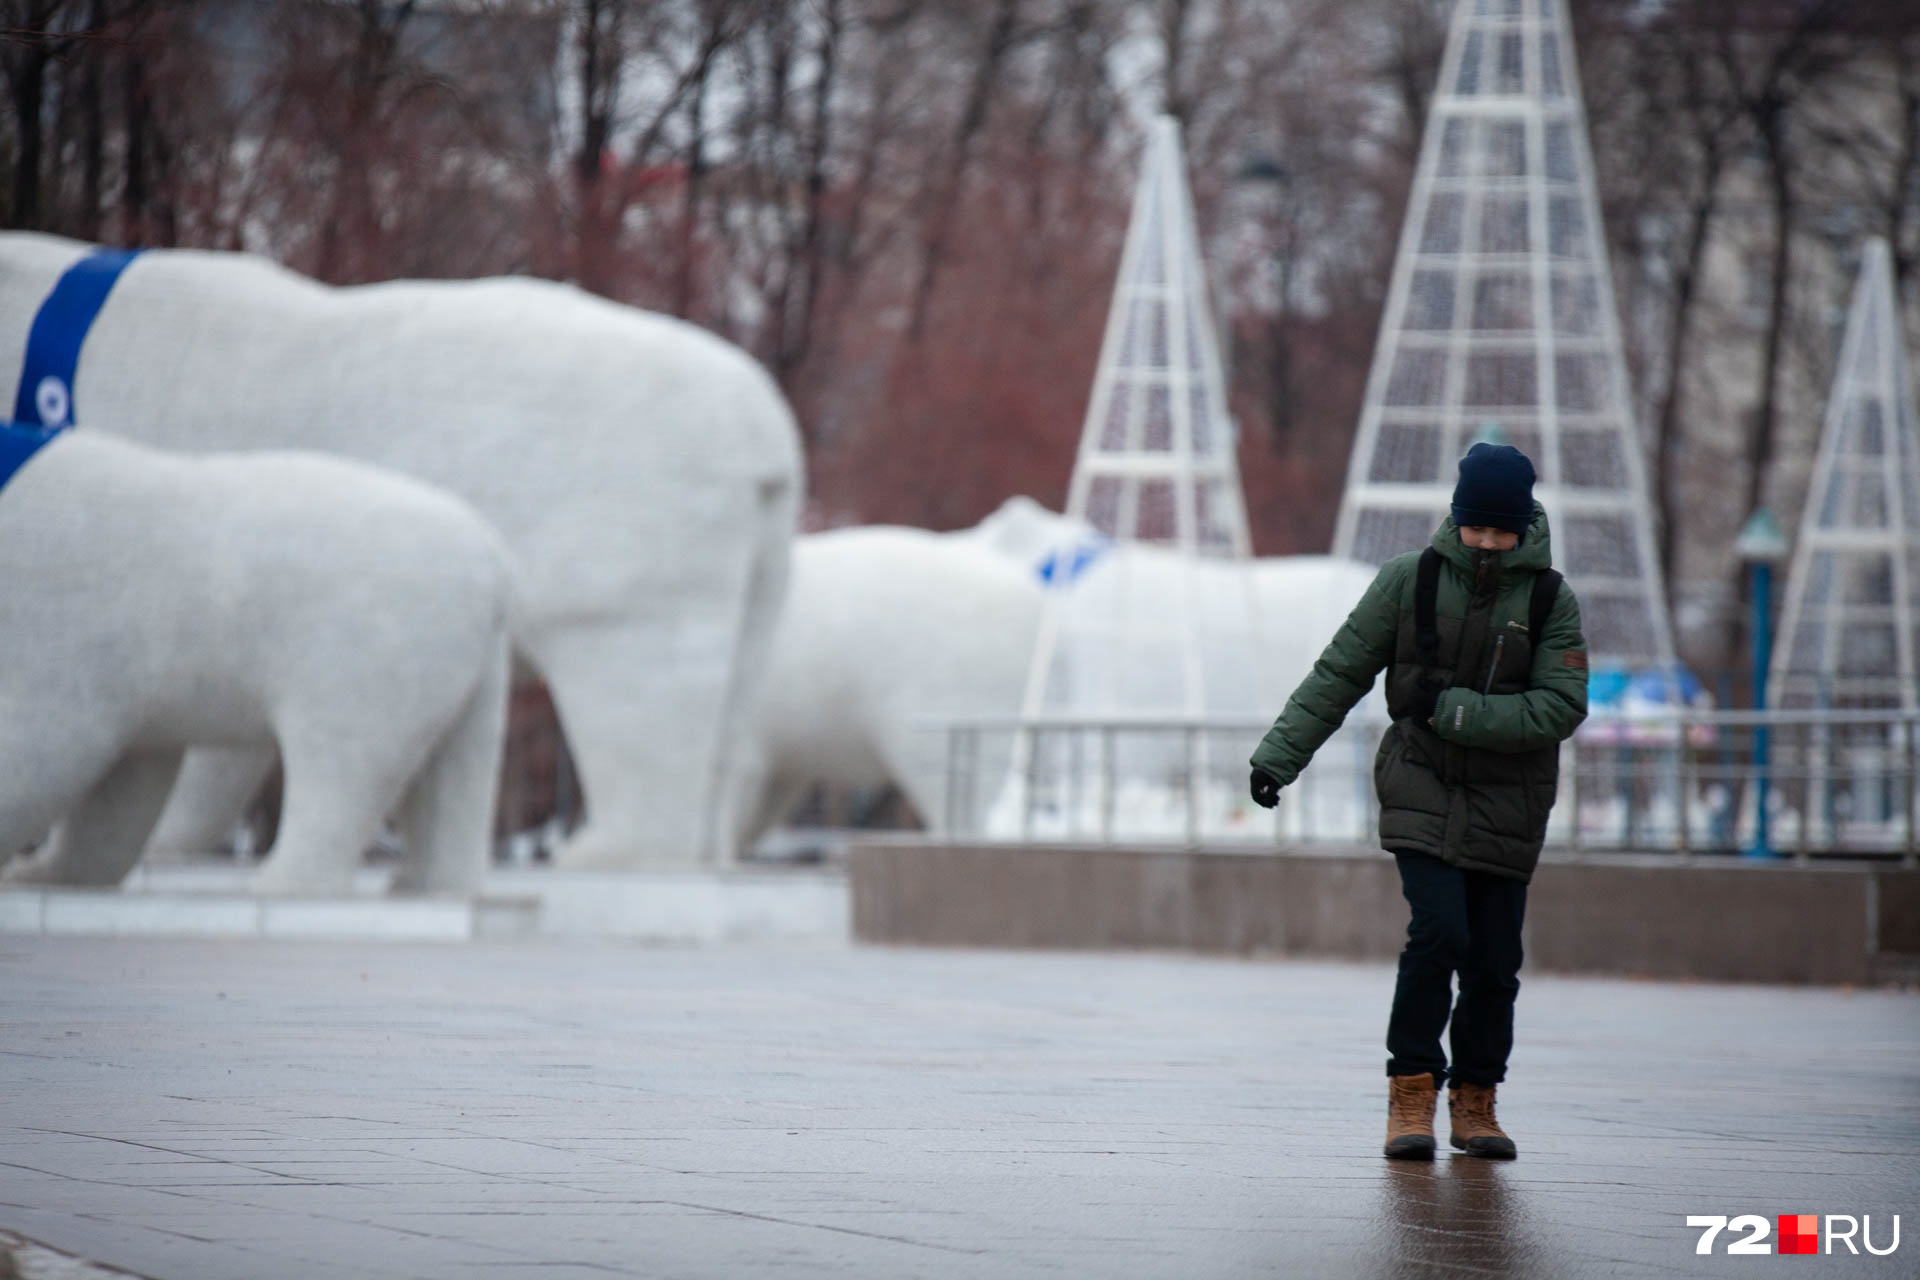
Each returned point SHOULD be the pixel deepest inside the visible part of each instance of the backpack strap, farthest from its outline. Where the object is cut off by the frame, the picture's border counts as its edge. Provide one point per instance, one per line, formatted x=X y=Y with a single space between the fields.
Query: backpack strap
x=1426 y=586
x=1546 y=588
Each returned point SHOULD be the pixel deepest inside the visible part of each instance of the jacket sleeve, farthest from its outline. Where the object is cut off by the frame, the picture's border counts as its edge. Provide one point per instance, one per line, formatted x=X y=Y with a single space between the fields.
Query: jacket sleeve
x=1546 y=713
x=1358 y=652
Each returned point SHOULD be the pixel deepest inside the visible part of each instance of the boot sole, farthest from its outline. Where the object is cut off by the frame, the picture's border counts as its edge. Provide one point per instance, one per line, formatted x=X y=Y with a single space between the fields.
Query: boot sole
x=1413 y=1148
x=1486 y=1148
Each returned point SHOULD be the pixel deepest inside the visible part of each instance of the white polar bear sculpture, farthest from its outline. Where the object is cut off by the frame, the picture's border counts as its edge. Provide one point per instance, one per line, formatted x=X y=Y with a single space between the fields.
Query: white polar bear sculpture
x=889 y=630
x=886 y=629
x=644 y=475
x=1119 y=648
x=149 y=601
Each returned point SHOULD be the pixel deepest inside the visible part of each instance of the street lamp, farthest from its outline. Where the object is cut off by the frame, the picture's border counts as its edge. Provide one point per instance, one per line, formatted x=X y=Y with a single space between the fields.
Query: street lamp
x=1760 y=546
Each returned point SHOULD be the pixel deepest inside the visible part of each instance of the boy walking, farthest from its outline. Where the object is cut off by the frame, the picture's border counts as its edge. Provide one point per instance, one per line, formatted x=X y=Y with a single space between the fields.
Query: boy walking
x=1486 y=676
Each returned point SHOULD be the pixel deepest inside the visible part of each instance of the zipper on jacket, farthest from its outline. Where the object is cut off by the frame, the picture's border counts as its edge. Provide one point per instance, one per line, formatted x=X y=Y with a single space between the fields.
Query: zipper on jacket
x=1499 y=643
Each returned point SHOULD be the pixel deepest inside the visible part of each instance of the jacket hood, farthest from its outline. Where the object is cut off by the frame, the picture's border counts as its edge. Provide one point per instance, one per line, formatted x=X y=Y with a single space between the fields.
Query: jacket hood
x=1534 y=553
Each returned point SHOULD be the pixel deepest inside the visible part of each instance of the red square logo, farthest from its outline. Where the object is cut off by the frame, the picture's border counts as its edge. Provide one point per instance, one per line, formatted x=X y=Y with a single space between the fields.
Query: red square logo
x=1799 y=1233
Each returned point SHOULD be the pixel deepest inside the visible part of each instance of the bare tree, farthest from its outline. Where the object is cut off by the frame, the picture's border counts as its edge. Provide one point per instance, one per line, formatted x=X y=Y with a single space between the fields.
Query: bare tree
x=599 y=53
x=719 y=21
x=998 y=40
x=1414 y=36
x=795 y=299
x=1669 y=132
x=370 y=70
x=1770 y=65
x=37 y=35
x=911 y=209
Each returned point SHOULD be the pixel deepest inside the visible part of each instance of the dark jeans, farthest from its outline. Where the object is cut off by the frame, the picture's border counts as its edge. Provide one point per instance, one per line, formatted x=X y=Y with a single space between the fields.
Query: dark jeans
x=1464 y=922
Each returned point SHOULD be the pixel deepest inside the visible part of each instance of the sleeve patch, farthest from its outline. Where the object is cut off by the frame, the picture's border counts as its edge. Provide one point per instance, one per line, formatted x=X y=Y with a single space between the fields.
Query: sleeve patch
x=1577 y=659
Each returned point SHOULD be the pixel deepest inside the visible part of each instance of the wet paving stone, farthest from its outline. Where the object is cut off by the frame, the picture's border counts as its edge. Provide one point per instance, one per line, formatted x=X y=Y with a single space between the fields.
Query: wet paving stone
x=197 y=1110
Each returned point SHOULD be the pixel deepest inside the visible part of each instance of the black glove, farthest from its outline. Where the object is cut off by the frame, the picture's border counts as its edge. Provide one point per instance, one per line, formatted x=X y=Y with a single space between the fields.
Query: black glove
x=1424 y=702
x=1265 y=788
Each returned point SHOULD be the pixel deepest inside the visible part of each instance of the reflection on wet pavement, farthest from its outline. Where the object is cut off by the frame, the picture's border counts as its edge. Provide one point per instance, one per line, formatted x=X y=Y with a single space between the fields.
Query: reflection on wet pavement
x=1457 y=1215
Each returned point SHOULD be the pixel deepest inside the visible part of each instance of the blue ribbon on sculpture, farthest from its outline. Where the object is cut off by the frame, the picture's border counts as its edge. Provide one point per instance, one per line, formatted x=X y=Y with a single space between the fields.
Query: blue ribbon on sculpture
x=43 y=405
x=17 y=444
x=1065 y=565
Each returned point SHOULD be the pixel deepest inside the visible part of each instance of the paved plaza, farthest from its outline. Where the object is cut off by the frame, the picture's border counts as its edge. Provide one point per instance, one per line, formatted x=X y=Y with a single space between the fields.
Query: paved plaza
x=263 y=1110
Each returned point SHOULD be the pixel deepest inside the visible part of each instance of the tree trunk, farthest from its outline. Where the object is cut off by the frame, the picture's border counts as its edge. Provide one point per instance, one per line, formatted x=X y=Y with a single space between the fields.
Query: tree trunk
x=348 y=251
x=163 y=222
x=27 y=82
x=92 y=128
x=1669 y=428
x=599 y=67
x=972 y=119
x=1906 y=176
x=796 y=329
x=599 y=72
x=685 y=272
x=1173 y=40
x=133 y=190
x=686 y=275
x=1780 y=182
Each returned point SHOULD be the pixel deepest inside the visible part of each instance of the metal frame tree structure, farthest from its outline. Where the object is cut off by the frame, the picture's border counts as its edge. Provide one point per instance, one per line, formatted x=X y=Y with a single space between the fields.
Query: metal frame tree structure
x=1500 y=323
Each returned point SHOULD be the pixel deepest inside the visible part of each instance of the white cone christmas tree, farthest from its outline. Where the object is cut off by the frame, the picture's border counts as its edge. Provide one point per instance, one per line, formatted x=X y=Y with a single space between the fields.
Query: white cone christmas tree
x=1155 y=469
x=1156 y=459
x=1850 y=631
x=1500 y=324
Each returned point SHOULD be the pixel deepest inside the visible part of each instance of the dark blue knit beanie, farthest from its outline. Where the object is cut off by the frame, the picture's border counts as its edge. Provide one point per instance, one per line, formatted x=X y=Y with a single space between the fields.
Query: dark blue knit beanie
x=1495 y=489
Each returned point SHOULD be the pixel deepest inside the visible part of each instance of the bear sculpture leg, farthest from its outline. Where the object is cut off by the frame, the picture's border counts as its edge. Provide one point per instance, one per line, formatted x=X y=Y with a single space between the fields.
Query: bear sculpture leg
x=605 y=680
x=215 y=787
x=446 y=819
x=776 y=795
x=102 y=838
x=331 y=813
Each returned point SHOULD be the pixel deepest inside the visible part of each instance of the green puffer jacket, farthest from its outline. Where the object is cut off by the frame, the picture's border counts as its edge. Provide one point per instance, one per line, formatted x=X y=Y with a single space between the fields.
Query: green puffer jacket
x=1474 y=785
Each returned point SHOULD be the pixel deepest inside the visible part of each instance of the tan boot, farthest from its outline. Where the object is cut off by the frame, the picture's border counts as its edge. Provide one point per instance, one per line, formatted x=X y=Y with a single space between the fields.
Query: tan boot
x=1475 y=1131
x=1410 y=1103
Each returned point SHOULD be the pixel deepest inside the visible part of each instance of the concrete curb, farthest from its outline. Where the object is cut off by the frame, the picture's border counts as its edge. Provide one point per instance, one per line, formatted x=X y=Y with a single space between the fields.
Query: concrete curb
x=1637 y=915
x=657 y=907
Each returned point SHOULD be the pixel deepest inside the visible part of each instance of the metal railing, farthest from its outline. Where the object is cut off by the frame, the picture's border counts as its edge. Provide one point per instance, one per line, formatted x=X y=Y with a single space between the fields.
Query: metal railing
x=1834 y=783
x=1104 y=779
